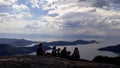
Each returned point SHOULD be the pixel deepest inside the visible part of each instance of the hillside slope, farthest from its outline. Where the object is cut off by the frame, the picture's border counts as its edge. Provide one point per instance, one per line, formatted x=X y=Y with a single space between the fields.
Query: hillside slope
x=16 y=42
x=6 y=49
x=47 y=62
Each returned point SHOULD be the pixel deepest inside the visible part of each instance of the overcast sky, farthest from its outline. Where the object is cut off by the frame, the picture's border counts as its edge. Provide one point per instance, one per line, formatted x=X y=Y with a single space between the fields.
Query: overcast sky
x=60 y=19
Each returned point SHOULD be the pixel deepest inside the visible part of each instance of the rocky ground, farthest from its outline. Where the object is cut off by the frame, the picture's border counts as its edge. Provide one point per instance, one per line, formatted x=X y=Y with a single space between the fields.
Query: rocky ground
x=21 y=61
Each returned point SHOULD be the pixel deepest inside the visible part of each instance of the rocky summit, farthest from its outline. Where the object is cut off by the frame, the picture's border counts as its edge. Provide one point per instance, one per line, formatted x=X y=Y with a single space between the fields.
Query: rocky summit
x=48 y=61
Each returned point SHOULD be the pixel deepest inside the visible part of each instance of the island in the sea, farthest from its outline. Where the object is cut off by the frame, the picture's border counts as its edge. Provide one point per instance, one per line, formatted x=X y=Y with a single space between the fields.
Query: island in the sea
x=115 y=49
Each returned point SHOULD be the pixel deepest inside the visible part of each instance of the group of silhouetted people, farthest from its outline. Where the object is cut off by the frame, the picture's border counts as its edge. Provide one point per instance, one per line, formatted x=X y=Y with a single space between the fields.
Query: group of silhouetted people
x=60 y=53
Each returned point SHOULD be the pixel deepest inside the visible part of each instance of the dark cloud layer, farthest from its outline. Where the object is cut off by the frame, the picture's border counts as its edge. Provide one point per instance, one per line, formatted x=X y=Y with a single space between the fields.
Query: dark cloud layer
x=101 y=3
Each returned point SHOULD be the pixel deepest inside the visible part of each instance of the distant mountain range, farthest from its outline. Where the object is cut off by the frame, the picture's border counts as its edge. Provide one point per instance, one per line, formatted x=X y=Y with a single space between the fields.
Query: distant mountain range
x=23 y=42
x=115 y=49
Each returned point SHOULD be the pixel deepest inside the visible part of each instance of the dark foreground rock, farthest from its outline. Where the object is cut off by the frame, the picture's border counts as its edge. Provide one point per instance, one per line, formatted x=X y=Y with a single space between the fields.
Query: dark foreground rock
x=47 y=62
x=106 y=59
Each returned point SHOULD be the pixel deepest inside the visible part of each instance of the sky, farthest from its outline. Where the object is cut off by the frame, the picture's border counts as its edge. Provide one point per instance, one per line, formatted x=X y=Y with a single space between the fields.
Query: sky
x=49 y=20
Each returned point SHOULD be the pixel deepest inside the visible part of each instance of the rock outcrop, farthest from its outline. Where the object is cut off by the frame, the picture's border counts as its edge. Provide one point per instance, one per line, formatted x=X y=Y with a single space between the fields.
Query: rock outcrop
x=47 y=62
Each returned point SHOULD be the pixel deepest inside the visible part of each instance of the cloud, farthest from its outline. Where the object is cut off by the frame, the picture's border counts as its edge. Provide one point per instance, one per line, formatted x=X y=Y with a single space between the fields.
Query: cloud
x=37 y=3
x=20 y=11
x=17 y=26
x=100 y=3
x=90 y=18
x=19 y=8
x=5 y=17
x=7 y=2
x=13 y=11
x=42 y=27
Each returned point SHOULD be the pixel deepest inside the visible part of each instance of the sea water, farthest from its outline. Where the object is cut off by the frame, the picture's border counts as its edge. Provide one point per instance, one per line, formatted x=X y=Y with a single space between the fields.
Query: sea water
x=87 y=51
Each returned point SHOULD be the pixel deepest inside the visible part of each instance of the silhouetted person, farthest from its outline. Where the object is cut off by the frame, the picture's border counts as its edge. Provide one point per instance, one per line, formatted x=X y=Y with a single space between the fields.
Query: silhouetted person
x=58 y=52
x=75 y=54
x=40 y=50
x=68 y=55
x=64 y=52
x=54 y=51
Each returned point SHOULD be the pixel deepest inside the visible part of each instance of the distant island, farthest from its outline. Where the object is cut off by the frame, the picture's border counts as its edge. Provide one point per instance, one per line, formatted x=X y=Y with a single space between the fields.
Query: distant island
x=62 y=43
x=115 y=49
x=23 y=42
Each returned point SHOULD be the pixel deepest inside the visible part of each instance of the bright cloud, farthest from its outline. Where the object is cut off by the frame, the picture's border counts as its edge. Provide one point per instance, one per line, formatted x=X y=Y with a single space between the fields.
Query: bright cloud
x=5 y=17
x=7 y=2
x=20 y=8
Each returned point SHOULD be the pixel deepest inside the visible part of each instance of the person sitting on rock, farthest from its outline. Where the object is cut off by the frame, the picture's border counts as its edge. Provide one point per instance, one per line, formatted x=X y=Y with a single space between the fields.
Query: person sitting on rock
x=54 y=51
x=58 y=52
x=68 y=55
x=75 y=54
x=40 y=50
x=64 y=52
